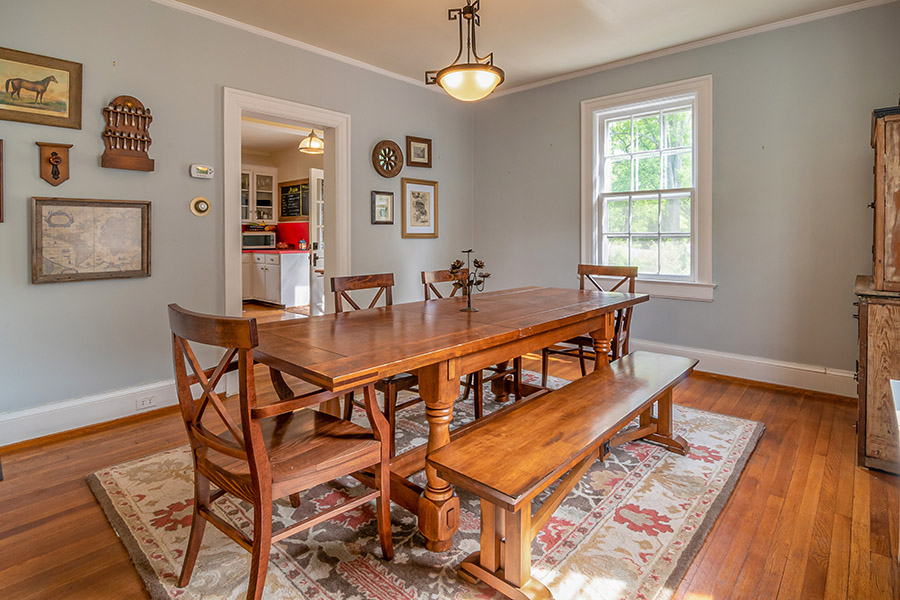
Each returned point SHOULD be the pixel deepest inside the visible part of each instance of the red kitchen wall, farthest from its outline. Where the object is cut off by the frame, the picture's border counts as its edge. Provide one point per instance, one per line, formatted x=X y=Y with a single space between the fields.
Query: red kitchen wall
x=292 y=233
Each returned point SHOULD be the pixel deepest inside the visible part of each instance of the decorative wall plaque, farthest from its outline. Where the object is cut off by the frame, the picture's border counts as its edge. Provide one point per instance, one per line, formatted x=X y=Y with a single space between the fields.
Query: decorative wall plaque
x=126 y=135
x=54 y=162
x=387 y=158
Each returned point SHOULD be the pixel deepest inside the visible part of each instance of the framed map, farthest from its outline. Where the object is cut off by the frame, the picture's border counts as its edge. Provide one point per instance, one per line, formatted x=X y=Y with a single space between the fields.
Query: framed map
x=76 y=239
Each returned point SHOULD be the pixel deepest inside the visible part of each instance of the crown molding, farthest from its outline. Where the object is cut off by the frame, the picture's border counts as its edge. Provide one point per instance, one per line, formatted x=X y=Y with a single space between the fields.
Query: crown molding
x=824 y=14
x=718 y=39
x=199 y=12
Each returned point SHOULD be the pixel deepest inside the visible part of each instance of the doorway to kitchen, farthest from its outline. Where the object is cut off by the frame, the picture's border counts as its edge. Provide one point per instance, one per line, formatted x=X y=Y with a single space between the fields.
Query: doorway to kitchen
x=248 y=199
x=282 y=218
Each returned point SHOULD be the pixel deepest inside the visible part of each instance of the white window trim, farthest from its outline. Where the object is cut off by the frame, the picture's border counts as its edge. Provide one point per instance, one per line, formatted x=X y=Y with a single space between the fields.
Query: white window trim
x=701 y=287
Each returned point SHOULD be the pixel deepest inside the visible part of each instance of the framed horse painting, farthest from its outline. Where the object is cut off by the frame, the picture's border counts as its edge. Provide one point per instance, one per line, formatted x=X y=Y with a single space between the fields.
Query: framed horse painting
x=39 y=89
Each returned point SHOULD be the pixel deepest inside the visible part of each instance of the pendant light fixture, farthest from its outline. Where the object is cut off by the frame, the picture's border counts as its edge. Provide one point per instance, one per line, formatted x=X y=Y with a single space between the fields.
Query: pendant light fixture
x=477 y=77
x=312 y=144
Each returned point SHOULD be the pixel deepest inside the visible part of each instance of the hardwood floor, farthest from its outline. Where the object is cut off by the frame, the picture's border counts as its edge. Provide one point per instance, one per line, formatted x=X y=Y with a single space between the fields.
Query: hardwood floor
x=803 y=522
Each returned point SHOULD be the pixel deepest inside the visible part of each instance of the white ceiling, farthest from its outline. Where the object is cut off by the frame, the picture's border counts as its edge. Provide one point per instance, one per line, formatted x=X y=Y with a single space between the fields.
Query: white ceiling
x=267 y=137
x=531 y=40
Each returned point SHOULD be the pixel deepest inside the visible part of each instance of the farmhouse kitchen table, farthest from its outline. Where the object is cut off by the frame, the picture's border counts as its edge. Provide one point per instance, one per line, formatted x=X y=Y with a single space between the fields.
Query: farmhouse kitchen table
x=344 y=351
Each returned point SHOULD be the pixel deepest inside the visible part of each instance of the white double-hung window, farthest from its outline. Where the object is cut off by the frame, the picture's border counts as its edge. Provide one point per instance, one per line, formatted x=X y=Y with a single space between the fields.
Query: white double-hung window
x=646 y=197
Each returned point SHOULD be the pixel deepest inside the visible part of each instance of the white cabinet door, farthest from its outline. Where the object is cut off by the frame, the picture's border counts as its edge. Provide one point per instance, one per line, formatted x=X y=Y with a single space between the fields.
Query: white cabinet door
x=258 y=279
x=246 y=283
x=273 y=283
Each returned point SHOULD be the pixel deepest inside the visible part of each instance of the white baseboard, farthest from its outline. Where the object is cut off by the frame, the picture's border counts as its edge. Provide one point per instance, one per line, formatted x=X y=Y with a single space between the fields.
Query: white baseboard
x=807 y=377
x=89 y=410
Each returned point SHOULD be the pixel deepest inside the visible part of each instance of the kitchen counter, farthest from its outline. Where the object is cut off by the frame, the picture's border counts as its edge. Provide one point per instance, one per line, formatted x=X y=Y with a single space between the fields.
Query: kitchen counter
x=273 y=251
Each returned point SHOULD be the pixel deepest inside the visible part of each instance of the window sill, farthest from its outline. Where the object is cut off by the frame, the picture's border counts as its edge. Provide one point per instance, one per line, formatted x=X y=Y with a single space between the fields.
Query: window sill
x=673 y=290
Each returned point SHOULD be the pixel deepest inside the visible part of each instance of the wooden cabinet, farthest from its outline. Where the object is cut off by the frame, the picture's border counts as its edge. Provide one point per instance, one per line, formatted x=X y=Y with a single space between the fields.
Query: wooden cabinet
x=258 y=194
x=879 y=362
x=886 y=241
x=281 y=279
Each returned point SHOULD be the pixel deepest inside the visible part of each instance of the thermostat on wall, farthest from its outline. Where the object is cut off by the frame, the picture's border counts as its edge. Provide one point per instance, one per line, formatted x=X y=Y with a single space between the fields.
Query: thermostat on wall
x=202 y=171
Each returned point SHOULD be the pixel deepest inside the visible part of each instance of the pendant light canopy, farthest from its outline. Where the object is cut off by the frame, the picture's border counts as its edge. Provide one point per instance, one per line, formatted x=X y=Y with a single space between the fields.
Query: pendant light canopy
x=477 y=77
x=312 y=144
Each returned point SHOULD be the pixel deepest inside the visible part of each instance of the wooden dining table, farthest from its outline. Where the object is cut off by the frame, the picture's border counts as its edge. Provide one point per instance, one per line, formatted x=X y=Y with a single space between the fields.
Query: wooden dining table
x=433 y=338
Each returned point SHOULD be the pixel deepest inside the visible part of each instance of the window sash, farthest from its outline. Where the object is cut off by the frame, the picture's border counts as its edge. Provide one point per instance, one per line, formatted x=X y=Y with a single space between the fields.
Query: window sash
x=659 y=234
x=604 y=152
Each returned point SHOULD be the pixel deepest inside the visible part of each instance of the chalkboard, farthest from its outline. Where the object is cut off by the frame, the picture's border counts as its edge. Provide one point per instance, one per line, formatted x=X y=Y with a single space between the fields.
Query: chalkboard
x=293 y=204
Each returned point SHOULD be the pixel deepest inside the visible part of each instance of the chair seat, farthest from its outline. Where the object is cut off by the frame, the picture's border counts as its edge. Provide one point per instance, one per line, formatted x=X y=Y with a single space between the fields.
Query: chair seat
x=306 y=448
x=581 y=340
x=403 y=381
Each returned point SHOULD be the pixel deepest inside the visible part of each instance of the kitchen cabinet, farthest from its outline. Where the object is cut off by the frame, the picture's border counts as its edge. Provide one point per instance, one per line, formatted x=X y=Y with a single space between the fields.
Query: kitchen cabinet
x=277 y=278
x=246 y=270
x=258 y=194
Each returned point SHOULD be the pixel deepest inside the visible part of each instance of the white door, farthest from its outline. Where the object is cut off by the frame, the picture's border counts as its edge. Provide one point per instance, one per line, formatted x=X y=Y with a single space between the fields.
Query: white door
x=317 y=242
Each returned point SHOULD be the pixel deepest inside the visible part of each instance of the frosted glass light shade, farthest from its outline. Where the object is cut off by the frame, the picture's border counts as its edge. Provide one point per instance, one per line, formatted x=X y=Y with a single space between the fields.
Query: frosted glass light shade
x=312 y=144
x=470 y=82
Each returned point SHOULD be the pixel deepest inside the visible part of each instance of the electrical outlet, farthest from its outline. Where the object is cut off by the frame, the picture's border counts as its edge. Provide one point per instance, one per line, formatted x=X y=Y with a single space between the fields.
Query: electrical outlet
x=145 y=403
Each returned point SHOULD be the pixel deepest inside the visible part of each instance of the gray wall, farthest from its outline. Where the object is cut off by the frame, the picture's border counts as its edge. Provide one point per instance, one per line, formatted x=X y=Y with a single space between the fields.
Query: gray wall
x=792 y=175
x=63 y=341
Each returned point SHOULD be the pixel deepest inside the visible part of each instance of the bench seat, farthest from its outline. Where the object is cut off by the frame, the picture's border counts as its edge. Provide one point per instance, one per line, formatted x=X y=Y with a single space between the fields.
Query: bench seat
x=512 y=458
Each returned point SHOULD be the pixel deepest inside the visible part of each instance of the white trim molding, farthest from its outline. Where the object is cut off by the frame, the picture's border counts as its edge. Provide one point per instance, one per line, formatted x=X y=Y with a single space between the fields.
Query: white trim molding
x=199 y=12
x=337 y=181
x=717 y=39
x=62 y=416
x=701 y=286
x=80 y=412
x=754 y=368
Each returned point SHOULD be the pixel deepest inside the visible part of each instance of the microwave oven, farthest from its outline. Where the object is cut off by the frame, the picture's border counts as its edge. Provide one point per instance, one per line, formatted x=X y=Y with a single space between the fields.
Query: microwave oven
x=258 y=239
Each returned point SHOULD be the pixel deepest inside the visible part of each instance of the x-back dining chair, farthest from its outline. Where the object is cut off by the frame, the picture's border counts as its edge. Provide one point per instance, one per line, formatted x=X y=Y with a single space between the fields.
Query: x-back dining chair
x=390 y=386
x=474 y=381
x=272 y=450
x=622 y=280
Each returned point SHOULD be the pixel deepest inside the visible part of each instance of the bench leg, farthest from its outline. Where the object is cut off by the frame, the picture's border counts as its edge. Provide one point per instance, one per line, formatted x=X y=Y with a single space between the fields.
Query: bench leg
x=664 y=431
x=505 y=564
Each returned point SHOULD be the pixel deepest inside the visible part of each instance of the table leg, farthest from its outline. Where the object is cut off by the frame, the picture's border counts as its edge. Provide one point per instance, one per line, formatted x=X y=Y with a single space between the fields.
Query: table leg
x=284 y=391
x=438 y=509
x=603 y=341
x=498 y=385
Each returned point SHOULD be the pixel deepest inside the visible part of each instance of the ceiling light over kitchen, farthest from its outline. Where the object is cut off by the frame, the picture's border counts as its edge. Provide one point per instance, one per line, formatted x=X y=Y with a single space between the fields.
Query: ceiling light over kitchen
x=475 y=78
x=312 y=144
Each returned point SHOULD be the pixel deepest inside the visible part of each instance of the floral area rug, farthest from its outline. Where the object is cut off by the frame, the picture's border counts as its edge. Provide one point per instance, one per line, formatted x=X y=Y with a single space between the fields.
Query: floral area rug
x=628 y=530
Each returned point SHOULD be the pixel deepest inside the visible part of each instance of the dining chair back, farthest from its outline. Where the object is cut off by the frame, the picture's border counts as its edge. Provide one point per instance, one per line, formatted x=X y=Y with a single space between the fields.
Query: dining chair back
x=603 y=278
x=383 y=282
x=430 y=278
x=271 y=450
x=621 y=279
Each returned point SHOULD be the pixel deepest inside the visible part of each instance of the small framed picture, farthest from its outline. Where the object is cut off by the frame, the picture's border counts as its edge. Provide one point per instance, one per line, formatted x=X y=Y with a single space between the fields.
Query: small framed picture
x=418 y=152
x=382 y=208
x=420 y=208
x=40 y=89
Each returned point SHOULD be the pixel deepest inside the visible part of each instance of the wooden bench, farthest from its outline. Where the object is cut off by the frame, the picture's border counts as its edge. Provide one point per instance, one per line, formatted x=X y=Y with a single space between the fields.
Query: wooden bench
x=510 y=459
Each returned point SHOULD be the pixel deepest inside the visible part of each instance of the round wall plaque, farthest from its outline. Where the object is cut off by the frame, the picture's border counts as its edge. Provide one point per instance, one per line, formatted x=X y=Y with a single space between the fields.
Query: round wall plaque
x=387 y=158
